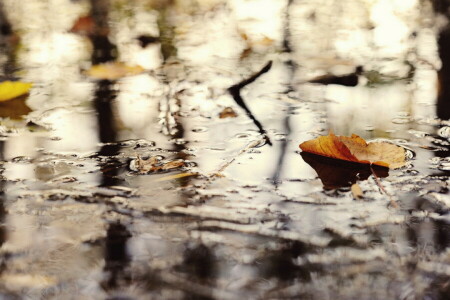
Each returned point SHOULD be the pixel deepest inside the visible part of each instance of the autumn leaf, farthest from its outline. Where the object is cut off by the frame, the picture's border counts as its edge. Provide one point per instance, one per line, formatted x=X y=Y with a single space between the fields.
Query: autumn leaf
x=356 y=149
x=113 y=70
x=13 y=89
x=335 y=173
x=155 y=164
x=227 y=112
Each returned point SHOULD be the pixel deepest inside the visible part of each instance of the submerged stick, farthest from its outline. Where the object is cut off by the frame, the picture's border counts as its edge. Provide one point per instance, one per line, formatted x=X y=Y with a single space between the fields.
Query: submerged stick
x=378 y=182
x=248 y=147
x=235 y=92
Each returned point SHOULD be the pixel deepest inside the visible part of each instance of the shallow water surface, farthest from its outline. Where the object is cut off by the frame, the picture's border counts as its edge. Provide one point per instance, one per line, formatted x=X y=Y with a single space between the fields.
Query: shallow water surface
x=162 y=185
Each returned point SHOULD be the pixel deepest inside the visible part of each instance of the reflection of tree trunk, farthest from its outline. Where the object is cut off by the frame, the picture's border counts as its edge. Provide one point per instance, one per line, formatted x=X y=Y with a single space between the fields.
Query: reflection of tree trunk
x=443 y=101
x=2 y=205
x=104 y=95
x=104 y=50
x=287 y=28
x=441 y=6
x=6 y=42
x=116 y=256
x=442 y=235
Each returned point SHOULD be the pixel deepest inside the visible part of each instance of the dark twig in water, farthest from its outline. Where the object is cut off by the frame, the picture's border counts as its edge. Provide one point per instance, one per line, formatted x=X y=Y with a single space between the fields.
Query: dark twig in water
x=235 y=91
x=378 y=182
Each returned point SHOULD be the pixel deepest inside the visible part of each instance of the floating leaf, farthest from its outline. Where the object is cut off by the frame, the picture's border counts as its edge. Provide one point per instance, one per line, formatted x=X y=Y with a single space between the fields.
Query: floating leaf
x=356 y=149
x=336 y=173
x=113 y=70
x=227 y=112
x=155 y=164
x=13 y=89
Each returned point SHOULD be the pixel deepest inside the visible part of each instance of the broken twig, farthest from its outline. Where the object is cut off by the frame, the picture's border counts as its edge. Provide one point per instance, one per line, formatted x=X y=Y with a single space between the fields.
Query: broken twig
x=235 y=91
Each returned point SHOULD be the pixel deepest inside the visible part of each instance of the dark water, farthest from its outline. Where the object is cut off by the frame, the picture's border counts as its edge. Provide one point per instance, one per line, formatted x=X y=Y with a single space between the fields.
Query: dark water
x=186 y=181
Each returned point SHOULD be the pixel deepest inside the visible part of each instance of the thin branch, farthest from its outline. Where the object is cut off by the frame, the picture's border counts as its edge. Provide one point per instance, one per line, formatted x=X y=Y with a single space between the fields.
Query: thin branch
x=235 y=92
x=378 y=182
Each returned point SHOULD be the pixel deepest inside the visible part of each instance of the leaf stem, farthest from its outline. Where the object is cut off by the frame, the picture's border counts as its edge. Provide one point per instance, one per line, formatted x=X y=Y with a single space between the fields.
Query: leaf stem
x=392 y=203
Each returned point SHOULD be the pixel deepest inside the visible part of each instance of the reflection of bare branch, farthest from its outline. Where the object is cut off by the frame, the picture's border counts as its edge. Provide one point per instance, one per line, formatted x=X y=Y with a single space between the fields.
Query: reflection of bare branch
x=235 y=91
x=284 y=144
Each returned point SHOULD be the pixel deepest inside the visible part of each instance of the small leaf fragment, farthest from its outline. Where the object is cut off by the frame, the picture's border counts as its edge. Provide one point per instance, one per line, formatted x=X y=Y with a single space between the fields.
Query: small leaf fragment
x=356 y=191
x=227 y=112
x=155 y=164
x=13 y=89
x=356 y=149
x=113 y=70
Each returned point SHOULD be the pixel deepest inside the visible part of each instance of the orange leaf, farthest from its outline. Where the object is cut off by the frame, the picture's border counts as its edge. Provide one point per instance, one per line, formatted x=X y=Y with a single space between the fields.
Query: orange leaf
x=356 y=149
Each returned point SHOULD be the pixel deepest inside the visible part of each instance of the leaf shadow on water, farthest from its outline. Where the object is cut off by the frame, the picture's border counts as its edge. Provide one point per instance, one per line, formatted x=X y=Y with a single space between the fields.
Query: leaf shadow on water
x=337 y=173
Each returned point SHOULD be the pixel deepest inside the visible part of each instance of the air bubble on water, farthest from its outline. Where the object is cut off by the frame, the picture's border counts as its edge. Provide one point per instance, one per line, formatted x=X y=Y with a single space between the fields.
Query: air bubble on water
x=445 y=166
x=369 y=128
x=140 y=142
x=444 y=132
x=434 y=160
x=191 y=164
x=280 y=137
x=409 y=154
x=411 y=172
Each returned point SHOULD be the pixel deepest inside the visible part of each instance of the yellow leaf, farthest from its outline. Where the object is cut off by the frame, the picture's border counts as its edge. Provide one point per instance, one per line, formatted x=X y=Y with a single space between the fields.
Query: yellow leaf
x=13 y=89
x=113 y=70
x=356 y=149
x=176 y=176
x=227 y=112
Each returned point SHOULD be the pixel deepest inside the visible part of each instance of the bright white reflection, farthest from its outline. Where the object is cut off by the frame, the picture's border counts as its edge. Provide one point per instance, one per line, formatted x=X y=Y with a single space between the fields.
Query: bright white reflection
x=126 y=31
x=75 y=130
x=137 y=103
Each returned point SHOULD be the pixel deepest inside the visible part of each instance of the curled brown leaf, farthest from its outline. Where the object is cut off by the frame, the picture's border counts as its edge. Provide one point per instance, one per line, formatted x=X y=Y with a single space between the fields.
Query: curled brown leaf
x=356 y=149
